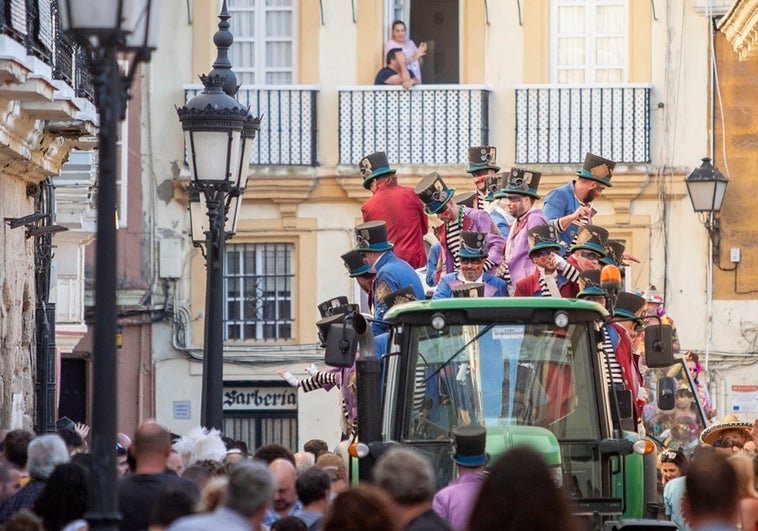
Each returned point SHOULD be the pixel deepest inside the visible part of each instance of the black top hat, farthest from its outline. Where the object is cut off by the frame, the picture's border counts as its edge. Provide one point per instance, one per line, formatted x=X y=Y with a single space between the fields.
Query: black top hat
x=470 y=290
x=433 y=192
x=465 y=199
x=628 y=304
x=372 y=236
x=597 y=168
x=473 y=244
x=614 y=250
x=482 y=158
x=373 y=166
x=592 y=238
x=470 y=445
x=354 y=264
x=331 y=306
x=589 y=284
x=520 y=181
x=543 y=237
x=400 y=296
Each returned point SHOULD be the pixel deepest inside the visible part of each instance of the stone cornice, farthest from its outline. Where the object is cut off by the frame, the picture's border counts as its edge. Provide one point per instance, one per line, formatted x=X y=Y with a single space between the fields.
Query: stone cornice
x=40 y=119
x=740 y=26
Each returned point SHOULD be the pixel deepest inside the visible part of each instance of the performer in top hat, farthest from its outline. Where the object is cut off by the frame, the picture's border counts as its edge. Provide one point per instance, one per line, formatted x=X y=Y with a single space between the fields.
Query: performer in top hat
x=455 y=502
x=396 y=205
x=570 y=206
x=392 y=273
x=472 y=256
x=585 y=254
x=481 y=164
x=545 y=253
x=438 y=199
x=519 y=190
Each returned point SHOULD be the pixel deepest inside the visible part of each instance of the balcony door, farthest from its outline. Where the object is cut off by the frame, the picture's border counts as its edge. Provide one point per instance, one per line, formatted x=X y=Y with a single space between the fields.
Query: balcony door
x=437 y=23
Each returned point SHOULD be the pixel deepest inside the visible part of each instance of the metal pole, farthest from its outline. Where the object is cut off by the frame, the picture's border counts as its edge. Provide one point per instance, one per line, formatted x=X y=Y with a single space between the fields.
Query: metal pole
x=213 y=360
x=103 y=511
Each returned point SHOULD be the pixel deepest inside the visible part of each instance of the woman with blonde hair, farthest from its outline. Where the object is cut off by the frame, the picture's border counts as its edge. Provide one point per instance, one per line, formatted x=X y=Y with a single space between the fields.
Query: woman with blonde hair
x=742 y=463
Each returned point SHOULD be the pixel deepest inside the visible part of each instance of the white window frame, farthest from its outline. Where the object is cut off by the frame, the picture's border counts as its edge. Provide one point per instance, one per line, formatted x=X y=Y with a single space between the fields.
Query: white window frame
x=257 y=270
x=396 y=10
x=590 y=66
x=259 y=8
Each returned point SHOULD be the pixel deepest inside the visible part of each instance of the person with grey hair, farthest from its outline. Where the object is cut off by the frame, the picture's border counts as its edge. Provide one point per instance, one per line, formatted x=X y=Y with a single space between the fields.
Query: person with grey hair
x=249 y=492
x=44 y=454
x=409 y=480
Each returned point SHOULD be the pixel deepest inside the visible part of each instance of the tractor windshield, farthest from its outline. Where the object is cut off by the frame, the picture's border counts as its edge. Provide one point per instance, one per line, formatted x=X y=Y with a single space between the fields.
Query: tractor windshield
x=502 y=375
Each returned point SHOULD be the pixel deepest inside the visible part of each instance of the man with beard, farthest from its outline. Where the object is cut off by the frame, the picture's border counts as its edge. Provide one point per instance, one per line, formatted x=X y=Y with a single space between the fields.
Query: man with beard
x=570 y=206
x=439 y=200
x=520 y=194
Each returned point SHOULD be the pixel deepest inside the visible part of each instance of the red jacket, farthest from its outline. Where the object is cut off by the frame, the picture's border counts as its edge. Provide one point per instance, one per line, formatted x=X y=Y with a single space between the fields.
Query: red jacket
x=403 y=211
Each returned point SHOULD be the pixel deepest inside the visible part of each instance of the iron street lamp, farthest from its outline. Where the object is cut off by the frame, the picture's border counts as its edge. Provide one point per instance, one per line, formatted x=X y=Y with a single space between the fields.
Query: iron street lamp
x=218 y=133
x=106 y=29
x=706 y=186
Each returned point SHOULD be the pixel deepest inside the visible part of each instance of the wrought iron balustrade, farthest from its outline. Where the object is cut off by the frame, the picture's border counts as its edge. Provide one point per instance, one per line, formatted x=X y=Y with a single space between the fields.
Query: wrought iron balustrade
x=288 y=132
x=558 y=124
x=36 y=25
x=428 y=124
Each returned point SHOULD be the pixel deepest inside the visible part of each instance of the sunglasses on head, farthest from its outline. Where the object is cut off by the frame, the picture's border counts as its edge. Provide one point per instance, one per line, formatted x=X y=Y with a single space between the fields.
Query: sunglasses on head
x=726 y=443
x=668 y=456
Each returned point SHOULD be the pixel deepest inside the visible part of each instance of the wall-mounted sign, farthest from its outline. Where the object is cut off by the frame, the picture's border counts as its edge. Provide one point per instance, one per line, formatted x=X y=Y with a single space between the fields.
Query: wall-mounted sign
x=259 y=398
x=182 y=409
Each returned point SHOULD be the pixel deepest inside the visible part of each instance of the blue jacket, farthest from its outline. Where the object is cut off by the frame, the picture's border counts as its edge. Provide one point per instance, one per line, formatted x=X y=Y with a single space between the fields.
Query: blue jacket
x=392 y=273
x=561 y=202
x=431 y=264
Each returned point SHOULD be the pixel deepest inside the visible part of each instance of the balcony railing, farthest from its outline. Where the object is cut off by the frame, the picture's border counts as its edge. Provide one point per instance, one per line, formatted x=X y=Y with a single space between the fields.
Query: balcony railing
x=36 y=25
x=429 y=124
x=558 y=124
x=288 y=130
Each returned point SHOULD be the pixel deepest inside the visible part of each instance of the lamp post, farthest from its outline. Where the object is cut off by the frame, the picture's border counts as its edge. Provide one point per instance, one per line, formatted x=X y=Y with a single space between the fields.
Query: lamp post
x=218 y=133
x=107 y=28
x=706 y=186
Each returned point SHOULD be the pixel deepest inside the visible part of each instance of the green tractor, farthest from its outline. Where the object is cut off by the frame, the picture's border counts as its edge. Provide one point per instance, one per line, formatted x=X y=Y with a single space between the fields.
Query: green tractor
x=530 y=370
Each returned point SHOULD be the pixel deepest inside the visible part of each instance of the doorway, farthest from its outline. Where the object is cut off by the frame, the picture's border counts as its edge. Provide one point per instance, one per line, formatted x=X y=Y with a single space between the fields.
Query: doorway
x=437 y=23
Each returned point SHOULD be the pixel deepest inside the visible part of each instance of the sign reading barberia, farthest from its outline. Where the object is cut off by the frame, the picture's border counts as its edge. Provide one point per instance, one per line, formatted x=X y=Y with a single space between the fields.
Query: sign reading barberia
x=260 y=398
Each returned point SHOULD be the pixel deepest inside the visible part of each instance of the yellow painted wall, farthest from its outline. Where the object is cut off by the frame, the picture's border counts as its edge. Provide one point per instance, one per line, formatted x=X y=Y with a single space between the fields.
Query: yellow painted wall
x=472 y=42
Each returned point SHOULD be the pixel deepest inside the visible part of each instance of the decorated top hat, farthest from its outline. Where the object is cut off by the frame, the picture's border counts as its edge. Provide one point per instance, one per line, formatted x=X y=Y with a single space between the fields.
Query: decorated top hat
x=592 y=238
x=730 y=422
x=492 y=186
x=597 y=168
x=543 y=237
x=373 y=166
x=470 y=290
x=614 y=250
x=482 y=158
x=473 y=244
x=372 y=236
x=354 y=264
x=465 y=199
x=520 y=181
x=628 y=304
x=434 y=193
x=470 y=445
x=400 y=296
x=589 y=284
x=331 y=306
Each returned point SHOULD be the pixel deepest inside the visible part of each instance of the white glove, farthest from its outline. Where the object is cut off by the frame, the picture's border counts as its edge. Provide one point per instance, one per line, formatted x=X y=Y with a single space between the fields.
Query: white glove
x=287 y=375
x=460 y=377
x=312 y=369
x=560 y=262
